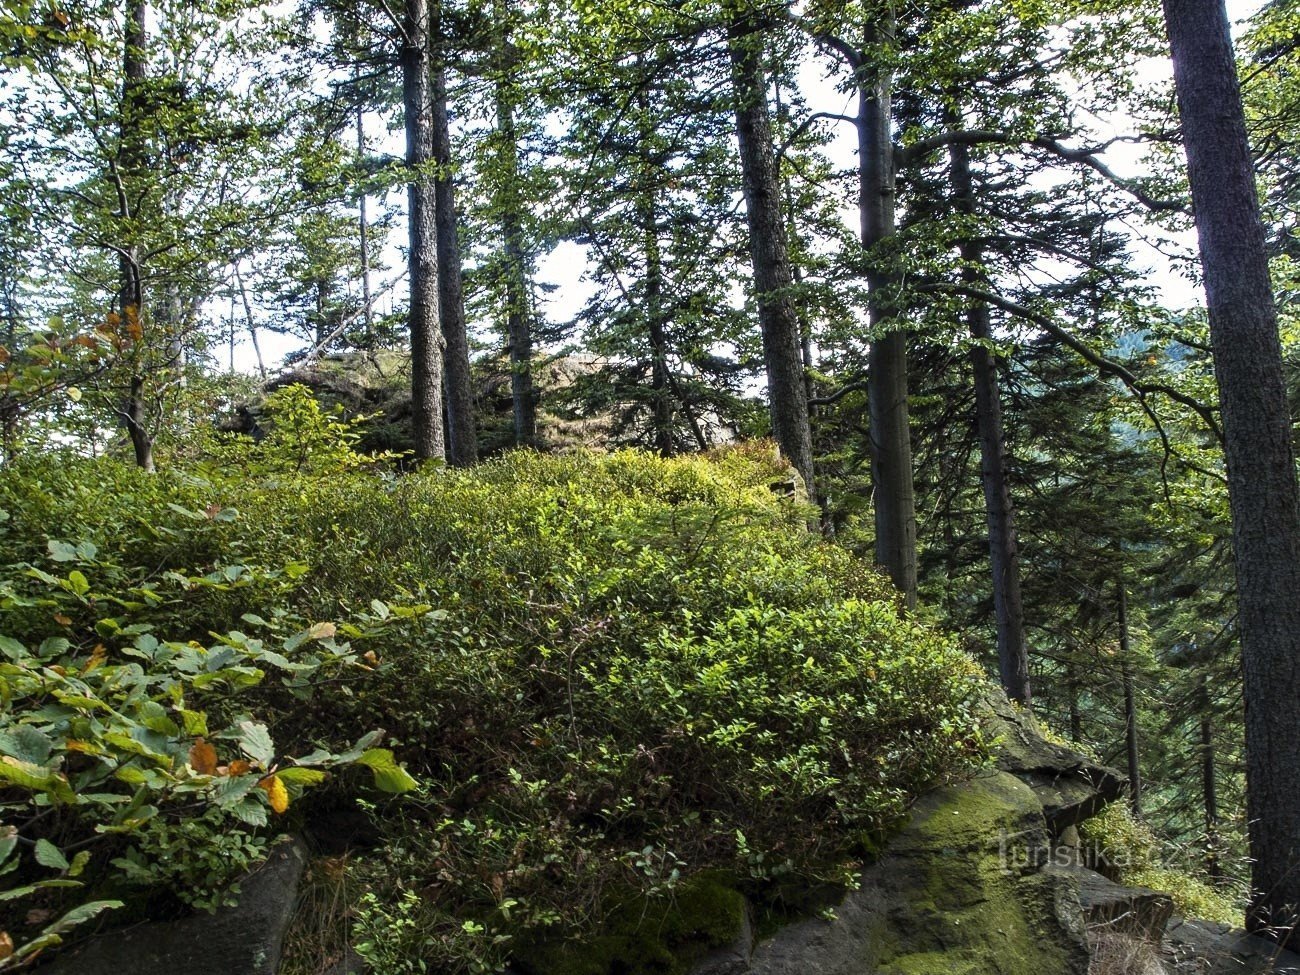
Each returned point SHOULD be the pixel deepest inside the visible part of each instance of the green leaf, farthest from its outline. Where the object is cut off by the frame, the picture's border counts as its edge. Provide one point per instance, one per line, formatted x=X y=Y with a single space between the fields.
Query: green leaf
x=389 y=776
x=79 y=863
x=298 y=775
x=80 y=915
x=12 y=649
x=256 y=742
x=61 y=551
x=8 y=842
x=78 y=583
x=49 y=855
x=28 y=776
x=26 y=744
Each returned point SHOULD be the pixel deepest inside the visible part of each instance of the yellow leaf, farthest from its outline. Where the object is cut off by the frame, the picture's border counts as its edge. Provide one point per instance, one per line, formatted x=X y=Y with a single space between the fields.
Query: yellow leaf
x=6 y=945
x=62 y=620
x=275 y=792
x=203 y=757
x=97 y=657
x=74 y=394
x=322 y=631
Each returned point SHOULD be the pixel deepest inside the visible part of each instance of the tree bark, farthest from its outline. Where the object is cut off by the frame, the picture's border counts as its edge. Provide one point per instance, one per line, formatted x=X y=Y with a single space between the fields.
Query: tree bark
x=363 y=234
x=130 y=169
x=519 y=331
x=769 y=252
x=891 y=436
x=462 y=438
x=647 y=211
x=1257 y=432
x=1209 y=781
x=1130 y=699
x=1004 y=550
x=422 y=259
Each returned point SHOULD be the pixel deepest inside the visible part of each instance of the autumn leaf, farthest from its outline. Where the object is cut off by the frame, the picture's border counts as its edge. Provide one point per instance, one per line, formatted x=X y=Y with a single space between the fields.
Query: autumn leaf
x=239 y=767
x=6 y=945
x=62 y=620
x=134 y=330
x=322 y=631
x=97 y=657
x=203 y=757
x=276 y=793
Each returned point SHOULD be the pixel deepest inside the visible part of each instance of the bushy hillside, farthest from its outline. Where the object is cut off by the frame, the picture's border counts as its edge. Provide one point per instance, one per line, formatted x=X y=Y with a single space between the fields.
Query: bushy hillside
x=608 y=675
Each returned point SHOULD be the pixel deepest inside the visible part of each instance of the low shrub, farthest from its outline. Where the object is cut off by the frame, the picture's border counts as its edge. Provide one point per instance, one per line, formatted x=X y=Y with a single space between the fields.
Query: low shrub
x=608 y=673
x=1141 y=860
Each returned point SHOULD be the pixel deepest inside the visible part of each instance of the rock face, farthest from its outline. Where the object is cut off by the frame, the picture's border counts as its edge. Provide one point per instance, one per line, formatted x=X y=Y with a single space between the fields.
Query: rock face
x=1206 y=948
x=1070 y=787
x=240 y=940
x=957 y=891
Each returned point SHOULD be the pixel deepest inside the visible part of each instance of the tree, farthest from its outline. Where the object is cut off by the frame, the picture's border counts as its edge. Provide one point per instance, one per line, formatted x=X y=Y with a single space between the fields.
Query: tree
x=1257 y=429
x=422 y=256
x=769 y=250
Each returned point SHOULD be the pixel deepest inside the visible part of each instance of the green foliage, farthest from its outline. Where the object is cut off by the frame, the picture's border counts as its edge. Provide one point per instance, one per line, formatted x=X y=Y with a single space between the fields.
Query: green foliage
x=1140 y=859
x=638 y=669
x=123 y=735
x=643 y=668
x=305 y=439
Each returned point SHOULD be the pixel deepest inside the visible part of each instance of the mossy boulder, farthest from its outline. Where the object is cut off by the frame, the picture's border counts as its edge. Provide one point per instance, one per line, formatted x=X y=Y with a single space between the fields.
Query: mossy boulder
x=958 y=890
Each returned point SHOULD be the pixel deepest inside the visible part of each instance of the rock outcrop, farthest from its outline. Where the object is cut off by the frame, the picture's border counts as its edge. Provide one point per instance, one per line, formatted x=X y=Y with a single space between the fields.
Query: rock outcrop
x=981 y=880
x=241 y=940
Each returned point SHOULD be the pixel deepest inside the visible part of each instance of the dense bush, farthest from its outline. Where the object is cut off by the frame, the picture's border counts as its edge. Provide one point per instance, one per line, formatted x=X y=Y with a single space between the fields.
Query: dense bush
x=608 y=673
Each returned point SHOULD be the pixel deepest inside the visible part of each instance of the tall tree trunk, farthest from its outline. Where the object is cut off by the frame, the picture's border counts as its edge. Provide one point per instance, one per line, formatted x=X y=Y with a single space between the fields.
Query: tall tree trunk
x=1130 y=699
x=891 y=436
x=422 y=260
x=462 y=439
x=1004 y=552
x=782 y=352
x=519 y=326
x=130 y=170
x=1209 y=780
x=647 y=211
x=1257 y=431
x=363 y=233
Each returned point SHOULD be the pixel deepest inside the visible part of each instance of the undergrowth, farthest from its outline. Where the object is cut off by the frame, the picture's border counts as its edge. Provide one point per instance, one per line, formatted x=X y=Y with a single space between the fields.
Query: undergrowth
x=609 y=674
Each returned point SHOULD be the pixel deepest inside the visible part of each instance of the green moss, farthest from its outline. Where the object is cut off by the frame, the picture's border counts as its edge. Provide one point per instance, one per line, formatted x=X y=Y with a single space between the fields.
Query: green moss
x=956 y=901
x=660 y=936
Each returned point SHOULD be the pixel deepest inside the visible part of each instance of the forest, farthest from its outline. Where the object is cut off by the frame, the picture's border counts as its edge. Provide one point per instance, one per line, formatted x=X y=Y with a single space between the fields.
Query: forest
x=556 y=454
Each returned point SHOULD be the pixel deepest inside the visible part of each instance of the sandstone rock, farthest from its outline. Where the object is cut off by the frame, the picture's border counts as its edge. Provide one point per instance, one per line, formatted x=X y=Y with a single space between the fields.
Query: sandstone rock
x=1070 y=786
x=1207 y=948
x=1134 y=911
x=957 y=892
x=241 y=940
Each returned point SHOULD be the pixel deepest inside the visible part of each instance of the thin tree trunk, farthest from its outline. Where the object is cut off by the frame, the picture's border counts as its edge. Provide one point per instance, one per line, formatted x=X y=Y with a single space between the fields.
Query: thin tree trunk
x=1209 y=781
x=891 y=436
x=1004 y=551
x=782 y=352
x=1257 y=430
x=462 y=438
x=1072 y=689
x=1130 y=699
x=249 y=322
x=130 y=168
x=422 y=261
x=363 y=230
x=648 y=216
x=519 y=332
